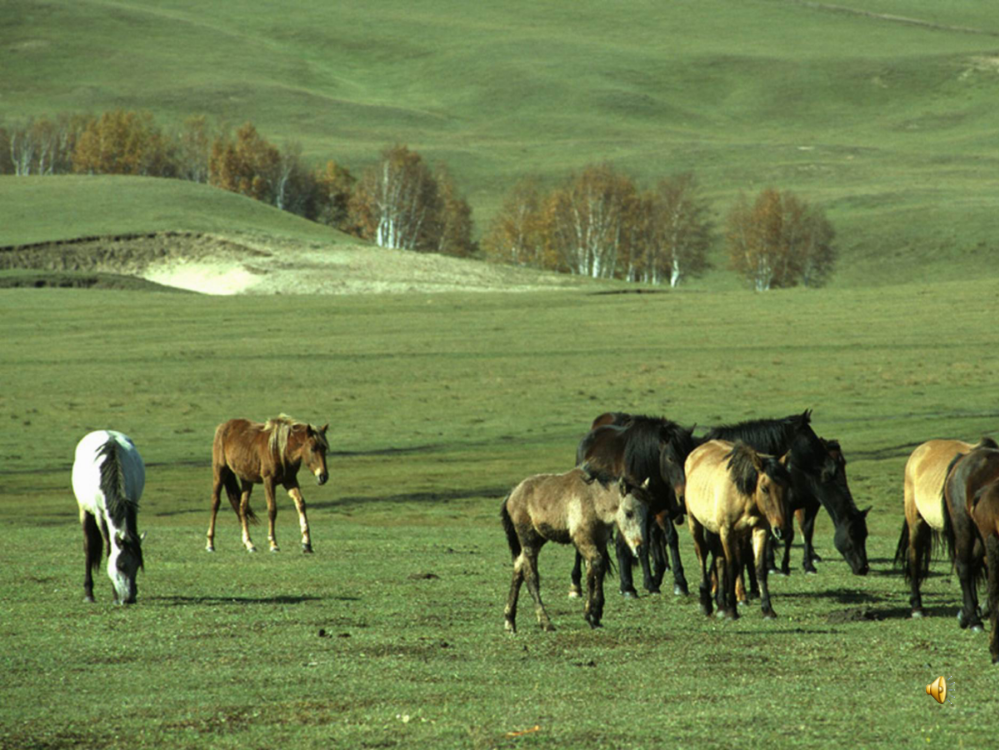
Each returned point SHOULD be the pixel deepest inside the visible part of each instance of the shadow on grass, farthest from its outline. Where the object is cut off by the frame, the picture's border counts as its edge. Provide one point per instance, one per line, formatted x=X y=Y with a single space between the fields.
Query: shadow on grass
x=178 y=601
x=843 y=596
x=343 y=503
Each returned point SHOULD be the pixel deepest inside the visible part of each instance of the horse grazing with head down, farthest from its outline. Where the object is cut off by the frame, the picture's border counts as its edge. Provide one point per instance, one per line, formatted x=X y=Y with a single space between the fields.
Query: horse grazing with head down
x=734 y=495
x=579 y=507
x=818 y=479
x=246 y=453
x=108 y=479
x=970 y=495
x=640 y=448
x=927 y=519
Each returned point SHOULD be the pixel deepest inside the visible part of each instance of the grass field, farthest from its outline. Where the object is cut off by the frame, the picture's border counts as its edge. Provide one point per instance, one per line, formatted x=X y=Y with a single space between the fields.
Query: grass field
x=888 y=124
x=391 y=634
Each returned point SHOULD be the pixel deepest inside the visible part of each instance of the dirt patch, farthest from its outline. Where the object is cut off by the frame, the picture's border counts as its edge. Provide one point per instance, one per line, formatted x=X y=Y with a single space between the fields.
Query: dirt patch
x=246 y=264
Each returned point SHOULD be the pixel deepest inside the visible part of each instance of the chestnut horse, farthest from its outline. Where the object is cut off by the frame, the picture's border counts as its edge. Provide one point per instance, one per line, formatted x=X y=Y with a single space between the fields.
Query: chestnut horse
x=108 y=479
x=577 y=507
x=734 y=495
x=926 y=516
x=246 y=453
x=970 y=479
x=640 y=448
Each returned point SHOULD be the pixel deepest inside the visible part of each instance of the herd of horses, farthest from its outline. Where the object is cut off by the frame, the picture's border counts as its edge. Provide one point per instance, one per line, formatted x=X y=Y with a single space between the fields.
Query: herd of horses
x=635 y=480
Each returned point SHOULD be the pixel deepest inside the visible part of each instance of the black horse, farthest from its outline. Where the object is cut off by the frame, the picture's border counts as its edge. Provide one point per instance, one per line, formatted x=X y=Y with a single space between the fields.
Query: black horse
x=639 y=448
x=818 y=478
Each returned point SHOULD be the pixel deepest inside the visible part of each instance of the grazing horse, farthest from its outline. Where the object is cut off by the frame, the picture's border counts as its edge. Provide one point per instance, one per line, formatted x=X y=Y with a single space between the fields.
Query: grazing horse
x=641 y=448
x=108 y=478
x=734 y=495
x=926 y=516
x=970 y=477
x=246 y=453
x=578 y=507
x=818 y=478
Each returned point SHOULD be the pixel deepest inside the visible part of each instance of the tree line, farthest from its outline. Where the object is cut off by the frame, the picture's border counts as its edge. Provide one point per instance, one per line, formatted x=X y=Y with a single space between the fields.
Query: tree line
x=596 y=223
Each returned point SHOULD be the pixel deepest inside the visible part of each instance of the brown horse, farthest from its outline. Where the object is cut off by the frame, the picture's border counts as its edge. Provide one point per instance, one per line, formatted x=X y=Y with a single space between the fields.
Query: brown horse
x=246 y=453
x=926 y=514
x=578 y=508
x=734 y=495
x=971 y=494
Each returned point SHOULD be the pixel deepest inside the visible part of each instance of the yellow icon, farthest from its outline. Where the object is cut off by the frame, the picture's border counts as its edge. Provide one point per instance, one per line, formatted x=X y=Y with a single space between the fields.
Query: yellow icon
x=938 y=689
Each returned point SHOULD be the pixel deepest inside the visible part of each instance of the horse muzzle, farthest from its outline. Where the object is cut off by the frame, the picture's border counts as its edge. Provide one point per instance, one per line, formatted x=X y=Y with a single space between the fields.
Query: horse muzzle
x=322 y=477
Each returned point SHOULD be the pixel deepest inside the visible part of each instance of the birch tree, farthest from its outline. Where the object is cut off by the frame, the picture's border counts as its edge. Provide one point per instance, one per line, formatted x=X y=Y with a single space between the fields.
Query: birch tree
x=396 y=203
x=515 y=235
x=122 y=142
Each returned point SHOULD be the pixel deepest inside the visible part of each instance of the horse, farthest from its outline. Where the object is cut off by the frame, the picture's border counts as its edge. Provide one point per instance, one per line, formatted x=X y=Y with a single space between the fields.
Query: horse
x=973 y=483
x=926 y=515
x=580 y=507
x=733 y=495
x=970 y=477
x=818 y=478
x=108 y=479
x=245 y=453
x=641 y=448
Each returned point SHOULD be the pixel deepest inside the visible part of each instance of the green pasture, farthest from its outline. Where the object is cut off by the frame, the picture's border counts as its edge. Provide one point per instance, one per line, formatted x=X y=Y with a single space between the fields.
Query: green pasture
x=391 y=634
x=888 y=124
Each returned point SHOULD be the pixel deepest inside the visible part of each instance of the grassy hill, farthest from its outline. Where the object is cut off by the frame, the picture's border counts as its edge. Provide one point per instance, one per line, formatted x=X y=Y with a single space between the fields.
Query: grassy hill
x=888 y=122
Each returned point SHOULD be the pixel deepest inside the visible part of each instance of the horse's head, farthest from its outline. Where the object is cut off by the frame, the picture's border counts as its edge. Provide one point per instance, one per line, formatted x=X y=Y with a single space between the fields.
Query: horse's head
x=314 y=452
x=833 y=492
x=123 y=565
x=671 y=466
x=632 y=513
x=772 y=489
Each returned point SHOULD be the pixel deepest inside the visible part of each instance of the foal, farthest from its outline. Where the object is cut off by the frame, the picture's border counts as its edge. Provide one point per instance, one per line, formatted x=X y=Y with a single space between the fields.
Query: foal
x=734 y=494
x=577 y=508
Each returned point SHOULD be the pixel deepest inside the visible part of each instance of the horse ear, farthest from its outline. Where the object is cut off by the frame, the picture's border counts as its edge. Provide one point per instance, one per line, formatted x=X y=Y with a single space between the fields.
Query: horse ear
x=645 y=484
x=322 y=430
x=142 y=536
x=866 y=510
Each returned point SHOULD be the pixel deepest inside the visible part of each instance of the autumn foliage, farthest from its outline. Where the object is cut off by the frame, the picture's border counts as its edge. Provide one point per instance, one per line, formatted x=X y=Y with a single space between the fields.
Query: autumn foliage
x=779 y=241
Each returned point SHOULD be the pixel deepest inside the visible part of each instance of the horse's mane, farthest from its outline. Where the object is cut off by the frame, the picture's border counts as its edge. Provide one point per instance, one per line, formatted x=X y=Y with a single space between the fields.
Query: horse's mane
x=742 y=468
x=593 y=474
x=280 y=429
x=645 y=438
x=767 y=435
x=121 y=508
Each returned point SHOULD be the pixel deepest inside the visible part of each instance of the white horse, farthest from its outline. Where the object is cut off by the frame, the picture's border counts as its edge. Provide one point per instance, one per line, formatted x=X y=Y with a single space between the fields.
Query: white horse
x=108 y=478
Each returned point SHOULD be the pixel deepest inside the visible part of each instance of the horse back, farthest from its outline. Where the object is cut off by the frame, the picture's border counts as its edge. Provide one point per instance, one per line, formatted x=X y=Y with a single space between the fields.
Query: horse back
x=925 y=474
x=711 y=496
x=87 y=470
x=242 y=447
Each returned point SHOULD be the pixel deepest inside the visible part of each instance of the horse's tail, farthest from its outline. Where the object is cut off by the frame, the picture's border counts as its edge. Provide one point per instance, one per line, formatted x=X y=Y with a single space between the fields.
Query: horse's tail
x=511 y=533
x=947 y=534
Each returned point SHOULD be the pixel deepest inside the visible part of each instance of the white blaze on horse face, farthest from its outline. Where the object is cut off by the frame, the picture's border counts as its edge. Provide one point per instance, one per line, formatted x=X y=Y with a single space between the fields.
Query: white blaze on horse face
x=630 y=519
x=122 y=570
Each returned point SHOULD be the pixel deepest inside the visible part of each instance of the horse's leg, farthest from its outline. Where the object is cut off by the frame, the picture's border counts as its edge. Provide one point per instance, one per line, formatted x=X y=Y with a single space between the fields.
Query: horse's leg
x=596 y=566
x=533 y=581
x=759 y=557
x=919 y=542
x=965 y=560
x=731 y=549
x=510 y=613
x=657 y=548
x=303 y=521
x=673 y=540
x=217 y=483
x=992 y=556
x=754 y=581
x=93 y=545
x=269 y=489
x=244 y=506
x=576 y=577
x=701 y=550
x=624 y=562
x=644 y=552
x=807 y=522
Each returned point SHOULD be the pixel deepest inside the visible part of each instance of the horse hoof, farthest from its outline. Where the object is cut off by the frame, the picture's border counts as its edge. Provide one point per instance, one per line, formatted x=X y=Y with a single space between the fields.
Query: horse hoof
x=209 y=548
x=306 y=549
x=811 y=572
x=275 y=549
x=977 y=629
x=509 y=626
x=654 y=591
x=771 y=615
x=89 y=598
x=547 y=627
x=573 y=594
x=629 y=594
x=251 y=549
x=679 y=590
x=917 y=614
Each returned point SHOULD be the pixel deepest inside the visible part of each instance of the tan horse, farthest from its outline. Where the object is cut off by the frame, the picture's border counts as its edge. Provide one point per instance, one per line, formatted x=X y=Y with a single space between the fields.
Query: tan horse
x=925 y=512
x=246 y=453
x=577 y=508
x=734 y=495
